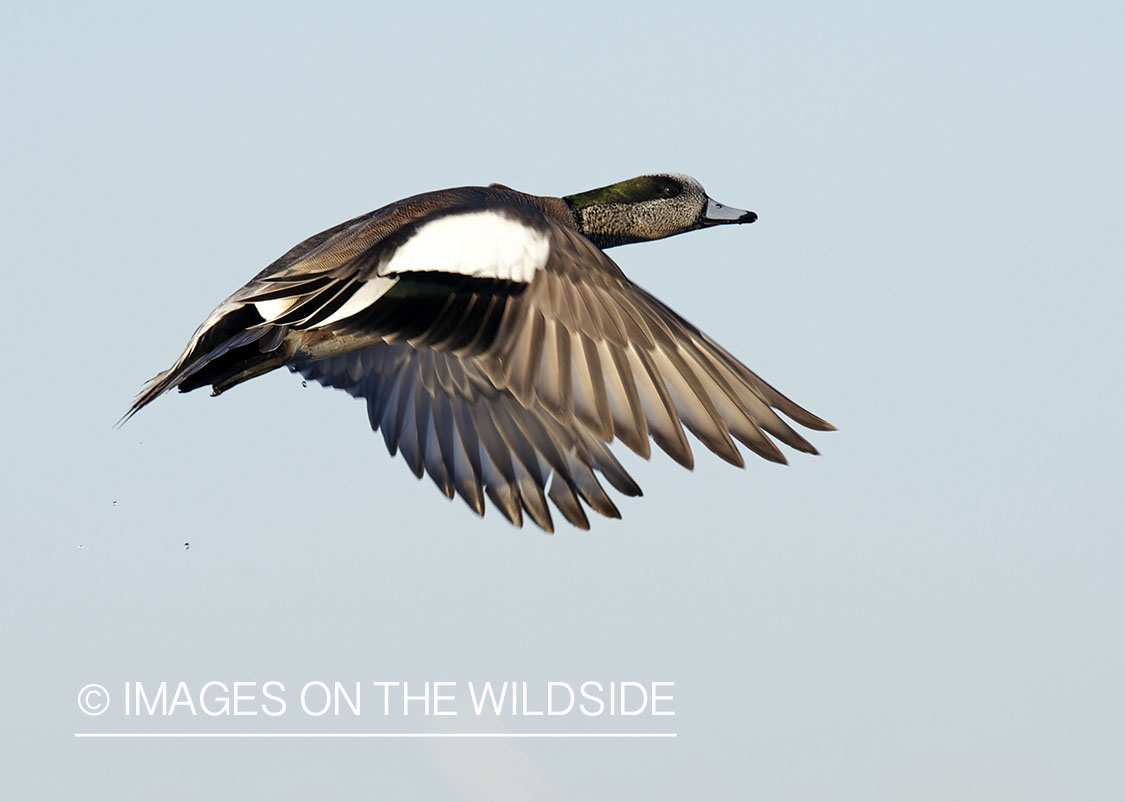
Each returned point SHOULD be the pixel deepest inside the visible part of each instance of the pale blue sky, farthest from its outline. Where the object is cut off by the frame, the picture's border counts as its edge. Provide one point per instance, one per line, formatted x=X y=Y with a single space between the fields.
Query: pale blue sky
x=930 y=610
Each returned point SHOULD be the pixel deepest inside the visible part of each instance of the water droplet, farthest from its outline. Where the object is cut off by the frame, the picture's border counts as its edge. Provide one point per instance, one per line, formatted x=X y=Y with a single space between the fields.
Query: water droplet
x=115 y=503
x=187 y=546
x=304 y=383
x=80 y=547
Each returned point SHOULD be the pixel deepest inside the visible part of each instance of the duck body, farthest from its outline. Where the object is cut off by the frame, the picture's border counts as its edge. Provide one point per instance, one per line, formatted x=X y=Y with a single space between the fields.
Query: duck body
x=498 y=348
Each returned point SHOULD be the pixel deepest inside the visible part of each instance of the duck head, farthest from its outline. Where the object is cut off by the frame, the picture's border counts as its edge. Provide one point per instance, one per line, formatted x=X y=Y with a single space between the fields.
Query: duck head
x=648 y=207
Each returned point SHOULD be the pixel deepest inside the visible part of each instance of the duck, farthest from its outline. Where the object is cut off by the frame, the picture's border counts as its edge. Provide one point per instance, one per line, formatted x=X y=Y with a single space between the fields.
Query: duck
x=497 y=346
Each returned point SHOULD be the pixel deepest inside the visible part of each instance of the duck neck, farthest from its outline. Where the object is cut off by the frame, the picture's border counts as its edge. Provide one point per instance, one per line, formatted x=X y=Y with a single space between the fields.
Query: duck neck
x=605 y=225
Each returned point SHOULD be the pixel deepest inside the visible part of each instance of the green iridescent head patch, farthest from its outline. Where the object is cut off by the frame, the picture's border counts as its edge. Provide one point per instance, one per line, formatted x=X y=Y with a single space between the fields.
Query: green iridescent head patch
x=635 y=190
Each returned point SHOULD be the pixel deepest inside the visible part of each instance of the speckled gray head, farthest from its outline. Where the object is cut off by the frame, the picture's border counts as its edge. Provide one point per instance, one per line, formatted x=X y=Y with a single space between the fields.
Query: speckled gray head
x=649 y=207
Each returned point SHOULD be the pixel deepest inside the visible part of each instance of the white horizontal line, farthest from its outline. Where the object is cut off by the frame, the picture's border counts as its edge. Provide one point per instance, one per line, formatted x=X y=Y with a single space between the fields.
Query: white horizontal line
x=375 y=735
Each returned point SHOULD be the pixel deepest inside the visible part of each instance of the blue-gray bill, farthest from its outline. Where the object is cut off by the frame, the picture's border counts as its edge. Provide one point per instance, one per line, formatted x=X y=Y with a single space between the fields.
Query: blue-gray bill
x=715 y=213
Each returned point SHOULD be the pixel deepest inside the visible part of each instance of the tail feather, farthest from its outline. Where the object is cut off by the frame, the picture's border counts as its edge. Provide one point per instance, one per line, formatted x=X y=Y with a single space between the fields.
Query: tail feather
x=231 y=346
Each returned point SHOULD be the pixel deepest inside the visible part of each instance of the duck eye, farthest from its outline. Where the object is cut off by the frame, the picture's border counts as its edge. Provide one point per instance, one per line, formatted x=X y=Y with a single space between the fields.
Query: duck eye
x=670 y=190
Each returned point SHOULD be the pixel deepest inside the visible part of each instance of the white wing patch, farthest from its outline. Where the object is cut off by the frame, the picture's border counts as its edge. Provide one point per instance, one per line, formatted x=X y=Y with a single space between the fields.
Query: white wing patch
x=482 y=244
x=272 y=310
x=371 y=291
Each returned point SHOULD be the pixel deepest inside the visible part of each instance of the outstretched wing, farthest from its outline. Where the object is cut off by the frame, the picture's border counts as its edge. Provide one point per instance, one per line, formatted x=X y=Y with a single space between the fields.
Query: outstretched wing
x=447 y=420
x=599 y=352
x=496 y=380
